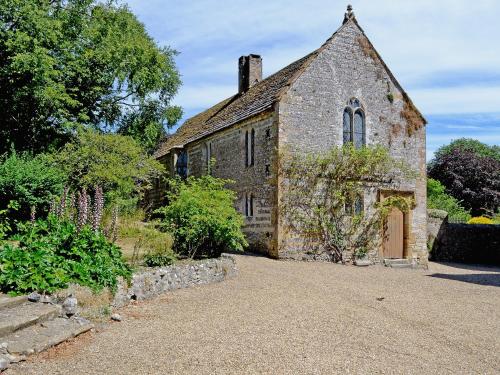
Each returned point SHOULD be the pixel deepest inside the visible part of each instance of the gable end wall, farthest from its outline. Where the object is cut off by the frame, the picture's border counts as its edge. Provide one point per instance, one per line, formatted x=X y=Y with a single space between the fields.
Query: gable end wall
x=310 y=120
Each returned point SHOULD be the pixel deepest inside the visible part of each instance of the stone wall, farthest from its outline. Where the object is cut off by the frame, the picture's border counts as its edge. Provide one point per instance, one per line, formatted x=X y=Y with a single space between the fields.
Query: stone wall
x=150 y=283
x=310 y=119
x=463 y=243
x=228 y=150
x=156 y=196
x=436 y=219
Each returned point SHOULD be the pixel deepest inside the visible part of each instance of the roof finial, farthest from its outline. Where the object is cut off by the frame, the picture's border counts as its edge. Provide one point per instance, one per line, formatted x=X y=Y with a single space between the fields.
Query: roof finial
x=349 y=15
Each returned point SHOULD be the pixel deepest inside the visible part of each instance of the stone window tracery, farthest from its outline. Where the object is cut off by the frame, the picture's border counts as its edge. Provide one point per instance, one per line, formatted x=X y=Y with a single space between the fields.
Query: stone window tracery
x=353 y=124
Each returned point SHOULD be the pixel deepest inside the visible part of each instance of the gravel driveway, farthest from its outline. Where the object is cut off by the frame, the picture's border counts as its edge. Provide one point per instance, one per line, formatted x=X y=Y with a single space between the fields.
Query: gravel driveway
x=281 y=317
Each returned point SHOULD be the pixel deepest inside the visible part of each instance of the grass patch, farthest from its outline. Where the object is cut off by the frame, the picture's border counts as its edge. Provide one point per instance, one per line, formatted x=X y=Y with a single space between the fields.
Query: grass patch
x=142 y=243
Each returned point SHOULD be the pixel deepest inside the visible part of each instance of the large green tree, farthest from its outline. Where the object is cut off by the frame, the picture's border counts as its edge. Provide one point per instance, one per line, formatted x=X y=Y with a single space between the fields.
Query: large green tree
x=112 y=161
x=65 y=63
x=470 y=172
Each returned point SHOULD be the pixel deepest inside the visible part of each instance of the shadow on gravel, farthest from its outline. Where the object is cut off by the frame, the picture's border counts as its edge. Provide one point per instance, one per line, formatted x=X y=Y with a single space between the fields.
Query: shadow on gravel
x=473 y=267
x=491 y=279
x=247 y=253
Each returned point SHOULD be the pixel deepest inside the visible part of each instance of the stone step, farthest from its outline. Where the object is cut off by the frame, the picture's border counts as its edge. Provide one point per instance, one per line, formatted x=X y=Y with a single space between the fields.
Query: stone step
x=25 y=315
x=398 y=263
x=401 y=265
x=40 y=337
x=7 y=301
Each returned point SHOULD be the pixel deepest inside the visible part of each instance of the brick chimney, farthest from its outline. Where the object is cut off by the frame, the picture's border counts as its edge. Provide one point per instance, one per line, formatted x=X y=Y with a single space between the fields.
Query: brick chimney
x=250 y=72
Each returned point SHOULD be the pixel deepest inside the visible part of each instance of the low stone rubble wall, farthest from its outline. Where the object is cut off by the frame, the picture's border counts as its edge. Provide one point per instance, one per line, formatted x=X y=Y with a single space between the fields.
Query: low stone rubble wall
x=149 y=283
x=462 y=243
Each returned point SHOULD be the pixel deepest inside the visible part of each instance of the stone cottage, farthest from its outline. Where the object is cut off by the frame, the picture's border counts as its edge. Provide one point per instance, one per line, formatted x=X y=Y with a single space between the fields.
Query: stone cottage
x=341 y=92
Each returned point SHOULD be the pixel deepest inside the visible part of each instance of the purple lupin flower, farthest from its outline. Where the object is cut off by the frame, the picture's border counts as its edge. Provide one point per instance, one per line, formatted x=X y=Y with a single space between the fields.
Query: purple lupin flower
x=71 y=207
x=98 y=208
x=82 y=209
x=89 y=209
x=52 y=206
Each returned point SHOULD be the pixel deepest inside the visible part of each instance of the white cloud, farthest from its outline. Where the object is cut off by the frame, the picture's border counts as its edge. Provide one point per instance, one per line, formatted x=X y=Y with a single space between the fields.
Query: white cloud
x=203 y=96
x=418 y=39
x=457 y=100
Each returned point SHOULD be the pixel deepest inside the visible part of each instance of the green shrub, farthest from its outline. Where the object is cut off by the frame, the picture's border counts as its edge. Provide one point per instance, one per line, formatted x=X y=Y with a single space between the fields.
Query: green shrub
x=478 y=148
x=202 y=218
x=437 y=198
x=30 y=181
x=496 y=218
x=156 y=259
x=6 y=222
x=114 y=162
x=480 y=220
x=52 y=253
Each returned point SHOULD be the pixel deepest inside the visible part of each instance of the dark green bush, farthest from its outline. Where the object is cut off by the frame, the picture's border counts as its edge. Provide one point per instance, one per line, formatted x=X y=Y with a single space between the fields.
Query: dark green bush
x=52 y=253
x=154 y=258
x=30 y=181
x=6 y=223
x=202 y=218
x=468 y=170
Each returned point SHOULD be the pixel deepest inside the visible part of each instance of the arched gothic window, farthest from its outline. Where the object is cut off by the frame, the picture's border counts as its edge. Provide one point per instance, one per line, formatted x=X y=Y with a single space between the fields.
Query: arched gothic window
x=354 y=129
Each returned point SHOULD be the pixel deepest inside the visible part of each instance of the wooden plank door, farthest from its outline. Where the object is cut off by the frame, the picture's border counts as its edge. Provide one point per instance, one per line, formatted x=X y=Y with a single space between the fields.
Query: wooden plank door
x=393 y=236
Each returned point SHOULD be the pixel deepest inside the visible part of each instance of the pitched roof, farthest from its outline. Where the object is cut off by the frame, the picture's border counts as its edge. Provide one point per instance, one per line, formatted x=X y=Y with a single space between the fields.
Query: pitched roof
x=257 y=99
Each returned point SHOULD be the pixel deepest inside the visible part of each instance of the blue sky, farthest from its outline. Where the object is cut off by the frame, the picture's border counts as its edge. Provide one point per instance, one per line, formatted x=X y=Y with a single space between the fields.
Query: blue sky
x=445 y=53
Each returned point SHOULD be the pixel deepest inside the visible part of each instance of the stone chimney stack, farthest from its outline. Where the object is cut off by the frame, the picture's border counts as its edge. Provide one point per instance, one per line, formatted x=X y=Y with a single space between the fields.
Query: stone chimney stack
x=250 y=72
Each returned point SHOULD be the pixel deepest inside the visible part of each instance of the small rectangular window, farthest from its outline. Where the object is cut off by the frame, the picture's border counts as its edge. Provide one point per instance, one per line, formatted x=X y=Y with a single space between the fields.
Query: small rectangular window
x=358 y=205
x=246 y=149
x=249 y=205
x=355 y=207
x=249 y=147
x=208 y=153
x=252 y=148
x=181 y=165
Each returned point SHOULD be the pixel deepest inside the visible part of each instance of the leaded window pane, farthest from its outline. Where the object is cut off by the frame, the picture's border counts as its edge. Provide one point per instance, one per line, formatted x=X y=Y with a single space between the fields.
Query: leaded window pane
x=358 y=205
x=182 y=164
x=359 y=130
x=347 y=126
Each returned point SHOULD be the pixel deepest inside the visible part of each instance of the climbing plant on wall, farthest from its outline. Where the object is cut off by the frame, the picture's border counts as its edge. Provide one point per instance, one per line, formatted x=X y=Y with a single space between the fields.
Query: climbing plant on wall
x=322 y=198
